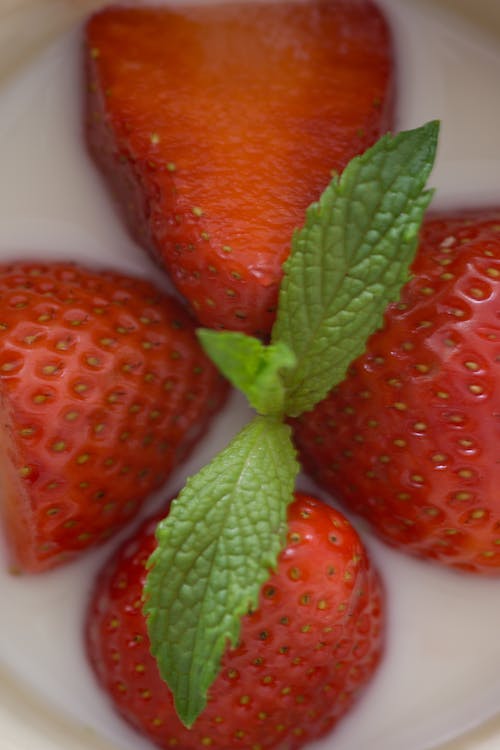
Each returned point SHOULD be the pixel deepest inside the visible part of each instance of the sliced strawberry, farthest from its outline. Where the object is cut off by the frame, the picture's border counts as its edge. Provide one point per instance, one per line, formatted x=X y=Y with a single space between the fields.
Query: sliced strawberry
x=103 y=391
x=218 y=126
x=410 y=438
x=304 y=654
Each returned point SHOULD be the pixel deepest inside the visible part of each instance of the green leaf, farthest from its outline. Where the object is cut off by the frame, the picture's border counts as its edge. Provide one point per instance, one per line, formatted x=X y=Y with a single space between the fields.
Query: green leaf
x=251 y=366
x=215 y=550
x=350 y=260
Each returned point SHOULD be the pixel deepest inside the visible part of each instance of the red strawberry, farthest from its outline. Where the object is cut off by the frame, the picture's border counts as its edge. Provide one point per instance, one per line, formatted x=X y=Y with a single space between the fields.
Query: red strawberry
x=410 y=438
x=104 y=390
x=218 y=126
x=304 y=654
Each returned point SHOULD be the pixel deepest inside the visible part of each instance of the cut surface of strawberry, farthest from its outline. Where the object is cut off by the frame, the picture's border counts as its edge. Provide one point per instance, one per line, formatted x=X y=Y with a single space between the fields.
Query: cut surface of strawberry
x=410 y=438
x=218 y=126
x=104 y=390
x=304 y=654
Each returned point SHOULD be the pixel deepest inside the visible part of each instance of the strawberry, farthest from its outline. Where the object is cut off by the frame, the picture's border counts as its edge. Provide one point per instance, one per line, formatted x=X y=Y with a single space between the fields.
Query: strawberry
x=304 y=654
x=409 y=439
x=104 y=390
x=217 y=127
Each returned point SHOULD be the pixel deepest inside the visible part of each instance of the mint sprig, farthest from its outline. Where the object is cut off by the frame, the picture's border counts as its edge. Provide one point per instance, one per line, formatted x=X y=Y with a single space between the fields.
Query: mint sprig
x=226 y=528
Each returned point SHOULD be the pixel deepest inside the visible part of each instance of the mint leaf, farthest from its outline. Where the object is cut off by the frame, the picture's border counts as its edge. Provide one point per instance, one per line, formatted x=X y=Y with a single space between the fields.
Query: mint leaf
x=250 y=366
x=350 y=260
x=215 y=550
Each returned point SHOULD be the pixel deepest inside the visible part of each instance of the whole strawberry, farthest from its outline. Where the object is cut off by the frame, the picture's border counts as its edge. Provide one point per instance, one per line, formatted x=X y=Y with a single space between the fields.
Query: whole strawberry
x=410 y=438
x=303 y=655
x=104 y=390
x=217 y=126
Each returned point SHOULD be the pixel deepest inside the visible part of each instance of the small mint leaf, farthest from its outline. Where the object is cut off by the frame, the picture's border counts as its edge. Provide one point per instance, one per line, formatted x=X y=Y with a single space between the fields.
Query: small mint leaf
x=350 y=260
x=215 y=550
x=251 y=366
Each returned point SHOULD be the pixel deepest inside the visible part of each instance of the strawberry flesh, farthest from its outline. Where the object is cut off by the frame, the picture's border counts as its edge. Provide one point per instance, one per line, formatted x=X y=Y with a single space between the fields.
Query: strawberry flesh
x=218 y=126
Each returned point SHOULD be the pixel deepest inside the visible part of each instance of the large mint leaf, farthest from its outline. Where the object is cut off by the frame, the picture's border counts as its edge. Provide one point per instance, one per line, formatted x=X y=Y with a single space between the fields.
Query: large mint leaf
x=215 y=550
x=350 y=260
x=251 y=366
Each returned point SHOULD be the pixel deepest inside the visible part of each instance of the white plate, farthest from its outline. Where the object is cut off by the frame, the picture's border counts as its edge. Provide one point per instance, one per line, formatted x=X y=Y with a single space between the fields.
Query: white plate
x=440 y=675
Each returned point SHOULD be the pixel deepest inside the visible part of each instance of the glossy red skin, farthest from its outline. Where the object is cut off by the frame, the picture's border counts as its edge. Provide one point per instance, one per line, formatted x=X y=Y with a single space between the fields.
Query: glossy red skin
x=304 y=654
x=218 y=126
x=103 y=391
x=410 y=438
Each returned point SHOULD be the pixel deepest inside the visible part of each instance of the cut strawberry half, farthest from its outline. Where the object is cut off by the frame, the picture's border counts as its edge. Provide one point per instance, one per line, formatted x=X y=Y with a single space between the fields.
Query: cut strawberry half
x=104 y=390
x=218 y=126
